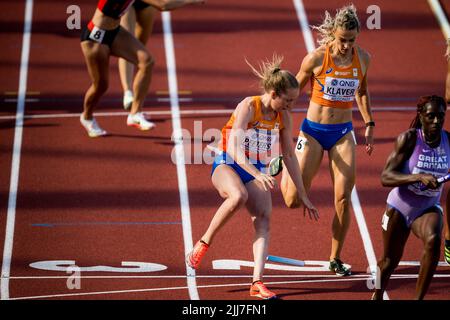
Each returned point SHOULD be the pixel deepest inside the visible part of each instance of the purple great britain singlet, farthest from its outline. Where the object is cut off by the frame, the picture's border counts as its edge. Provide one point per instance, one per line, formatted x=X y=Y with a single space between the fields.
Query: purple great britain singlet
x=408 y=199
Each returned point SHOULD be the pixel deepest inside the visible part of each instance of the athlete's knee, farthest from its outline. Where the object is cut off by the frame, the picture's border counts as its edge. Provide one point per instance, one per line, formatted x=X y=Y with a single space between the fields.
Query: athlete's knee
x=101 y=86
x=388 y=264
x=261 y=221
x=432 y=242
x=146 y=61
x=238 y=198
x=291 y=201
x=342 y=202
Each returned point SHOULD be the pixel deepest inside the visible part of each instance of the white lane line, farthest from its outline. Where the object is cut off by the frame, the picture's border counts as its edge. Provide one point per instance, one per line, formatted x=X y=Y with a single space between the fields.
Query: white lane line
x=441 y=17
x=15 y=166
x=177 y=136
x=362 y=225
x=183 y=277
x=228 y=276
x=336 y=279
x=182 y=112
x=304 y=25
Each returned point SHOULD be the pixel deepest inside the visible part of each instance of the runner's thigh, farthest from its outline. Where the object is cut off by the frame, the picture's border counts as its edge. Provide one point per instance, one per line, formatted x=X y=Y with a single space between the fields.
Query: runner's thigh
x=126 y=46
x=342 y=162
x=227 y=181
x=259 y=200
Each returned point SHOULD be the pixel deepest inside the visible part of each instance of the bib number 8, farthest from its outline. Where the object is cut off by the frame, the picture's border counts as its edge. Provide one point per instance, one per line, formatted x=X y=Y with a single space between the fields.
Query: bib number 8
x=97 y=34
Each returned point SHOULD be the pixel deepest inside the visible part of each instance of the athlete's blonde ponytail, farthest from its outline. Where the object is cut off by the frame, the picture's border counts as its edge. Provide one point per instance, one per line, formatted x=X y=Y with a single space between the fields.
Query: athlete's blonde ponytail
x=345 y=18
x=273 y=77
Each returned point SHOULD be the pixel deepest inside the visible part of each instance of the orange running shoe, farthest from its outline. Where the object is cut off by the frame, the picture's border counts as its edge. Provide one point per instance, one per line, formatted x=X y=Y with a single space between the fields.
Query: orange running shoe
x=194 y=257
x=258 y=289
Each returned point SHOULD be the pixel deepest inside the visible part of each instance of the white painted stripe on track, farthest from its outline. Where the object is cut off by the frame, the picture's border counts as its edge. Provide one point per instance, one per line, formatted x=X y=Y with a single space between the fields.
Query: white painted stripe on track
x=179 y=150
x=357 y=209
x=17 y=146
x=182 y=112
x=441 y=17
x=226 y=276
x=304 y=25
x=336 y=279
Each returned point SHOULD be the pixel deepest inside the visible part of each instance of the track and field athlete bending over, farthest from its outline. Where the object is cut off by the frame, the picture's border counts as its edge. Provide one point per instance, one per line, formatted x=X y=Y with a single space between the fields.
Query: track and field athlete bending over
x=239 y=171
x=337 y=71
x=420 y=156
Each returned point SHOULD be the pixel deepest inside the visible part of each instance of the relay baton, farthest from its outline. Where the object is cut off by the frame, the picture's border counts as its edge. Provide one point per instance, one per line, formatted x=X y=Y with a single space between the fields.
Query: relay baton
x=440 y=180
x=293 y=262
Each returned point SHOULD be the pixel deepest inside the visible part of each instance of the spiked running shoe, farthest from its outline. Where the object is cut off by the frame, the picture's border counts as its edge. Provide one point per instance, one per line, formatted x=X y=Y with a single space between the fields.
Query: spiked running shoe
x=139 y=121
x=275 y=166
x=447 y=253
x=339 y=268
x=92 y=127
x=127 y=99
x=194 y=257
x=258 y=289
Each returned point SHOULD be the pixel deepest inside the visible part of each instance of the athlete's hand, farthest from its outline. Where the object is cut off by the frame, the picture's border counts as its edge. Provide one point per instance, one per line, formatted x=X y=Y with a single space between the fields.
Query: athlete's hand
x=267 y=181
x=428 y=180
x=310 y=209
x=369 y=140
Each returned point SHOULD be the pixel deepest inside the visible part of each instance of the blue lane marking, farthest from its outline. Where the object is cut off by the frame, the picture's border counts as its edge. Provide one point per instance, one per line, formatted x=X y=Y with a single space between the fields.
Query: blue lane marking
x=106 y=223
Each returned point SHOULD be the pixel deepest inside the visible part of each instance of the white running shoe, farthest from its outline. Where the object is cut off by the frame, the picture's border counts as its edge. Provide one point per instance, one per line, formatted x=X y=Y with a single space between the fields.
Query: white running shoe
x=127 y=99
x=92 y=127
x=139 y=121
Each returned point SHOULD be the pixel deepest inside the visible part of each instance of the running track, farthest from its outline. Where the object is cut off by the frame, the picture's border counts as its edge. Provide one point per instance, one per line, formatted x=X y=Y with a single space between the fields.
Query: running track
x=97 y=203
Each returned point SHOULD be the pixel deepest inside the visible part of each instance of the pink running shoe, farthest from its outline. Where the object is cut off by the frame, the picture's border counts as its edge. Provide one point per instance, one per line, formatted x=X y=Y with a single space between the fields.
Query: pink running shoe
x=194 y=257
x=258 y=289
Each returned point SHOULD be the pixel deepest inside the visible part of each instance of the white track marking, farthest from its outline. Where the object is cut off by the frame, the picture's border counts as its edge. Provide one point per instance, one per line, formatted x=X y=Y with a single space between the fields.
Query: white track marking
x=17 y=146
x=440 y=16
x=367 y=242
x=182 y=112
x=336 y=279
x=179 y=150
x=219 y=276
x=304 y=25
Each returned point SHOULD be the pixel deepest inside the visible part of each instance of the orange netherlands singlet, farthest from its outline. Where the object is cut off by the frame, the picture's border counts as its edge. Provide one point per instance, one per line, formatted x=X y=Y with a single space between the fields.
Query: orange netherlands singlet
x=336 y=86
x=261 y=135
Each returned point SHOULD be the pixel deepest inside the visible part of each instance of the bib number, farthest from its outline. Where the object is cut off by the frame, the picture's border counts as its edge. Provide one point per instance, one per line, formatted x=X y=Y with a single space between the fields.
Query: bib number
x=301 y=143
x=97 y=34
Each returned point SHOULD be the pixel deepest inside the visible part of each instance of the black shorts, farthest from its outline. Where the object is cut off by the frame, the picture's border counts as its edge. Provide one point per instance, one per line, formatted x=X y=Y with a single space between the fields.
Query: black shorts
x=140 y=5
x=93 y=33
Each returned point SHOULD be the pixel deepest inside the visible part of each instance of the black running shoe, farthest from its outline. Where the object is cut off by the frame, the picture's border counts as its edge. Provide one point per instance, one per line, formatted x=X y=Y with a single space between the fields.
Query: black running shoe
x=276 y=166
x=338 y=267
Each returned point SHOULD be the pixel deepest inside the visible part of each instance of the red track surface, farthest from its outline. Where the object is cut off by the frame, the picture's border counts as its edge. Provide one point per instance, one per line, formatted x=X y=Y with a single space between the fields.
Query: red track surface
x=100 y=202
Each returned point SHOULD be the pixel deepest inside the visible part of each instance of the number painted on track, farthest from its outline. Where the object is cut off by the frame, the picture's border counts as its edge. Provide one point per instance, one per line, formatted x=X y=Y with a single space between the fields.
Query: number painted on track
x=63 y=265
x=310 y=265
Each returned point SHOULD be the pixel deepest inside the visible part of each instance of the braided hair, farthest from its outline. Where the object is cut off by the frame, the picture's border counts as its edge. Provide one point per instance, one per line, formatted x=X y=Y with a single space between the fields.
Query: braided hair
x=423 y=101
